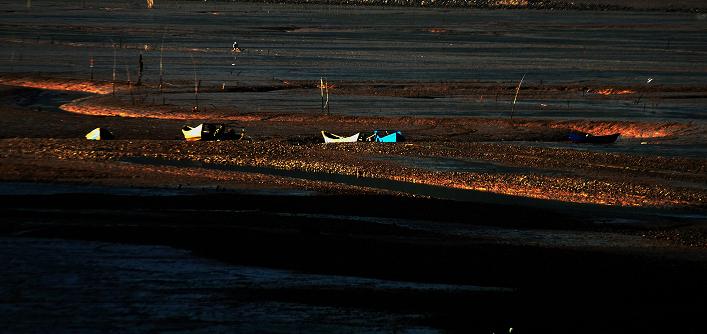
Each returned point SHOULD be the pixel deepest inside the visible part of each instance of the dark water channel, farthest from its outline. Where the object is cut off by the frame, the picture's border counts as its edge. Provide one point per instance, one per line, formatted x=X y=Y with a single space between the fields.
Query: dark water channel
x=72 y=286
x=634 y=146
x=42 y=99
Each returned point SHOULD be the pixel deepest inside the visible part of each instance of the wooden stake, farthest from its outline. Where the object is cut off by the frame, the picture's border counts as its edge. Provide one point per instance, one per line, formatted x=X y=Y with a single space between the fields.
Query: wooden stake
x=513 y=108
x=326 y=88
x=321 y=91
x=197 y=83
x=130 y=84
x=114 y=64
x=161 y=69
x=90 y=65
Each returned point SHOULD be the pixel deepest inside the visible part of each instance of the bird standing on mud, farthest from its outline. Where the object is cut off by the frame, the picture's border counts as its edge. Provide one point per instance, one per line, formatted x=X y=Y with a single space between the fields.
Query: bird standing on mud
x=235 y=50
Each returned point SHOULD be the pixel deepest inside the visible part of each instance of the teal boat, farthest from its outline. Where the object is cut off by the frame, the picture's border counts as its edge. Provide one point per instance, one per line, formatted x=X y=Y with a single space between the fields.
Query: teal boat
x=388 y=136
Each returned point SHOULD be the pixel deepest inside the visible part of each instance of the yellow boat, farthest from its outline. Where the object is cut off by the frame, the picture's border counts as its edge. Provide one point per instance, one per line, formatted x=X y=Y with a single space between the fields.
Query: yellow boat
x=99 y=134
x=192 y=133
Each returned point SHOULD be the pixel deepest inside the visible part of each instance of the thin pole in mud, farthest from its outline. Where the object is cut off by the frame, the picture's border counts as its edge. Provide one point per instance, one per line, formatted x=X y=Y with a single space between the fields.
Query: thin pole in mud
x=139 y=71
x=197 y=83
x=130 y=84
x=114 y=64
x=515 y=98
x=91 y=63
x=12 y=60
x=326 y=88
x=321 y=91
x=161 y=69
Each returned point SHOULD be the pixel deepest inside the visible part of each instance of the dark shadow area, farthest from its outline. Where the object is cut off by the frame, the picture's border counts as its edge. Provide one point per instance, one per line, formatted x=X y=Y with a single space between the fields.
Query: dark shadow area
x=555 y=288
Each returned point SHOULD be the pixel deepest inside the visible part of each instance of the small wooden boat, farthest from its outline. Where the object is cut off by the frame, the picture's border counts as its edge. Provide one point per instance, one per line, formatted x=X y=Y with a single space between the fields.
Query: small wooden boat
x=209 y=131
x=100 y=134
x=192 y=133
x=332 y=138
x=579 y=138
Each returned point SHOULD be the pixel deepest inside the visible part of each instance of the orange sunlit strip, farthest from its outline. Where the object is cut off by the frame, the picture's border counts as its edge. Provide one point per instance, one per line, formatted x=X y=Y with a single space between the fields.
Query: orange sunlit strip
x=613 y=91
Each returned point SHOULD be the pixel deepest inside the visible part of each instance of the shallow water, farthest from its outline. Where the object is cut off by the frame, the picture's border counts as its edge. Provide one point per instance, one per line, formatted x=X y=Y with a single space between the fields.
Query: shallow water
x=64 y=286
x=33 y=188
x=697 y=151
x=572 y=106
x=512 y=236
x=42 y=99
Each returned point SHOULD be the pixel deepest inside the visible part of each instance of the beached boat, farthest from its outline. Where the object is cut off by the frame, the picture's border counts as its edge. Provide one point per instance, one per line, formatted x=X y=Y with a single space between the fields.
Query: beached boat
x=579 y=138
x=209 y=131
x=100 y=134
x=192 y=133
x=332 y=138
x=388 y=136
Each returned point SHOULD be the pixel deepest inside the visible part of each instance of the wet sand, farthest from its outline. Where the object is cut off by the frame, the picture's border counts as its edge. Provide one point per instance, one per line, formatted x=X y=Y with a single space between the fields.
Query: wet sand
x=488 y=155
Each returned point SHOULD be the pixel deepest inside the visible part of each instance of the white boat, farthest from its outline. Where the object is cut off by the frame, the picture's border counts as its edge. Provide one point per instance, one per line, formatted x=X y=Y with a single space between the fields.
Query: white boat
x=332 y=138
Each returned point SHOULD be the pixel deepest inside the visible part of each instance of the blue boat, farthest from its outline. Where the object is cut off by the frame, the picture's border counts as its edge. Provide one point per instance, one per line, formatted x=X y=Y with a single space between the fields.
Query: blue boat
x=388 y=136
x=581 y=138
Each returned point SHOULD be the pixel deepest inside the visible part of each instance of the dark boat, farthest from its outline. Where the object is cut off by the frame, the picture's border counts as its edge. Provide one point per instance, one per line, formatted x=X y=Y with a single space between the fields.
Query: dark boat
x=579 y=138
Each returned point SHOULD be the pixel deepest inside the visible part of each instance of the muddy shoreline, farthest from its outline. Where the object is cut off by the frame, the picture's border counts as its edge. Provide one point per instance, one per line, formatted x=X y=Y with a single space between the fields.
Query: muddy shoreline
x=461 y=153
